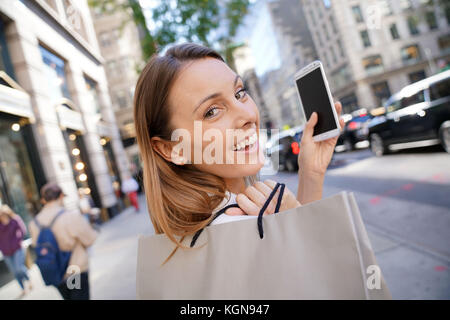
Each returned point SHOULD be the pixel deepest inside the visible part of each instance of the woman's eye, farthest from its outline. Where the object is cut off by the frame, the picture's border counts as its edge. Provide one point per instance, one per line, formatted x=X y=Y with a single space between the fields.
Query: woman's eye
x=241 y=93
x=211 y=112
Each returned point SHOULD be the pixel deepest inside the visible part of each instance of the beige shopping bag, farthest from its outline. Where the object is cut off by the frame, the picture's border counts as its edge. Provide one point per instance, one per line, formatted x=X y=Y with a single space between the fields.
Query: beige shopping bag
x=317 y=251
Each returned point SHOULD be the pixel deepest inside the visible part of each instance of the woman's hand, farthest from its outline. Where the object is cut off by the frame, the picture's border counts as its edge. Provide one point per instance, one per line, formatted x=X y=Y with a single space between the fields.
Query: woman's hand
x=252 y=200
x=314 y=159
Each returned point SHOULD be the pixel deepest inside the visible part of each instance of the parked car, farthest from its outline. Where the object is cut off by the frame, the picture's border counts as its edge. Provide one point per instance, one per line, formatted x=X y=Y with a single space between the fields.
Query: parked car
x=286 y=146
x=355 y=129
x=416 y=116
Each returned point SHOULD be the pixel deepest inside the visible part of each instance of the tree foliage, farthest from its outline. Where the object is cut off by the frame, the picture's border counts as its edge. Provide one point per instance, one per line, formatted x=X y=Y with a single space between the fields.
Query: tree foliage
x=209 y=22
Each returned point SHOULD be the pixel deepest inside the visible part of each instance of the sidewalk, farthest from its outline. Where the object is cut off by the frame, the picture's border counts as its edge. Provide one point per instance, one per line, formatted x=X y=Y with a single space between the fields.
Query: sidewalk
x=112 y=262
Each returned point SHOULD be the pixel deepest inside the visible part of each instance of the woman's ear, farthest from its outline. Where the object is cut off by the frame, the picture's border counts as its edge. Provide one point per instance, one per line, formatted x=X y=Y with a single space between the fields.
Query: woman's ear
x=164 y=149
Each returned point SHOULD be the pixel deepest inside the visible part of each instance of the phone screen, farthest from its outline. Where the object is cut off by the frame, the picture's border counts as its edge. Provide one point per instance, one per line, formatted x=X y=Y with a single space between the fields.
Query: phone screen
x=314 y=97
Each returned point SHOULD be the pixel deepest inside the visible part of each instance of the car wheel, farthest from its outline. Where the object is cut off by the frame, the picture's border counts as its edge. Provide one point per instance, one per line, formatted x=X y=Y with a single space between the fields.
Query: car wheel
x=290 y=166
x=444 y=135
x=348 y=145
x=376 y=145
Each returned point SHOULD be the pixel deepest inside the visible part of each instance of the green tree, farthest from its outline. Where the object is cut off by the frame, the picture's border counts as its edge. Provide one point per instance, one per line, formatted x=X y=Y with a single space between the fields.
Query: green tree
x=205 y=21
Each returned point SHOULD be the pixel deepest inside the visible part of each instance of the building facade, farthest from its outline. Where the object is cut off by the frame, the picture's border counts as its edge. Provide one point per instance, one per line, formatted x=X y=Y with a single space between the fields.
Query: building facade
x=119 y=42
x=372 y=48
x=56 y=118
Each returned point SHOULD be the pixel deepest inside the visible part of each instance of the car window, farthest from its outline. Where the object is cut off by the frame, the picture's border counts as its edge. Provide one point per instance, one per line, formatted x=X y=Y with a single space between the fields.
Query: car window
x=440 y=89
x=414 y=99
x=393 y=106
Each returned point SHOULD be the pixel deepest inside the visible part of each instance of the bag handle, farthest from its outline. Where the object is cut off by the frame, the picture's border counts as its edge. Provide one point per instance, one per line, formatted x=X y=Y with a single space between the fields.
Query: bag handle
x=261 y=212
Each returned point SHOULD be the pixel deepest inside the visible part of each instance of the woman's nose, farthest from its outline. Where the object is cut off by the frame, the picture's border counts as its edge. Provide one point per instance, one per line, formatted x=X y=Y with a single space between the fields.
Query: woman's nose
x=245 y=114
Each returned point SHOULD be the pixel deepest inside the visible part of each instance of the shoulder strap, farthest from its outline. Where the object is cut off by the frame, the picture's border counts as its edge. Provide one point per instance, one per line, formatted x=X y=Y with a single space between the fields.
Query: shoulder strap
x=60 y=212
x=260 y=215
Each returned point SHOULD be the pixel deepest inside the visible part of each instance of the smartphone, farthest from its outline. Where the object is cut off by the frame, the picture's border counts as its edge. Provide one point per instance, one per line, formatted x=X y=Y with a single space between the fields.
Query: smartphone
x=314 y=93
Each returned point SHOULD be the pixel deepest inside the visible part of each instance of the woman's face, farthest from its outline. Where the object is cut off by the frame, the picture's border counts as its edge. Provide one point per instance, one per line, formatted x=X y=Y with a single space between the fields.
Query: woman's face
x=207 y=94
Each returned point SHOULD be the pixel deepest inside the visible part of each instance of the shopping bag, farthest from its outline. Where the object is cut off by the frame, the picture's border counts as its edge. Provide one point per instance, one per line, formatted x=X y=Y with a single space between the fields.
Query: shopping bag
x=316 y=251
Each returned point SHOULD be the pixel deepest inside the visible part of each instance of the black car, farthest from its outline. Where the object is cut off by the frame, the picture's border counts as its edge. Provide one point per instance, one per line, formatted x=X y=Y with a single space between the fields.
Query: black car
x=355 y=129
x=417 y=116
x=285 y=147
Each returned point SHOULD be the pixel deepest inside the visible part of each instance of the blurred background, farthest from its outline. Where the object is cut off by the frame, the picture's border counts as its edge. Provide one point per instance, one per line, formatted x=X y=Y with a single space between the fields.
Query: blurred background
x=68 y=70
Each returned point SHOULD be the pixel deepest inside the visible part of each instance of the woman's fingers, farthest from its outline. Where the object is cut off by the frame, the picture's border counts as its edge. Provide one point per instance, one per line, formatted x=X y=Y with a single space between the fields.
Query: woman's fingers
x=248 y=206
x=309 y=127
x=234 y=212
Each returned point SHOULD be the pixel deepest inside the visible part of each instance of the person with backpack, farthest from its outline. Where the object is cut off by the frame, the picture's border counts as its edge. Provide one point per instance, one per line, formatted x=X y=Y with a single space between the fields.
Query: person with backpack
x=61 y=238
x=12 y=230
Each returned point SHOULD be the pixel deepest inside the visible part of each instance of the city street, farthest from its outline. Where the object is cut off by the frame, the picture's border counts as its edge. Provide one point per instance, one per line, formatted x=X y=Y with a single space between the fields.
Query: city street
x=405 y=205
x=404 y=202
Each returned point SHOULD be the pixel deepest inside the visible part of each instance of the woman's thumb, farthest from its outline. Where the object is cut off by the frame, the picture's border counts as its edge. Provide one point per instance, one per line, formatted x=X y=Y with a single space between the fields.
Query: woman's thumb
x=309 y=128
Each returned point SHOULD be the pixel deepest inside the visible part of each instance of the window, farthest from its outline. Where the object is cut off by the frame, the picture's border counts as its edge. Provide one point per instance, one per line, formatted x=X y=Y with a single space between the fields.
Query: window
x=386 y=8
x=357 y=14
x=412 y=100
x=394 y=31
x=327 y=35
x=349 y=103
x=447 y=14
x=365 y=38
x=406 y=4
x=440 y=89
x=104 y=39
x=333 y=54
x=412 y=25
x=444 y=43
x=91 y=87
x=410 y=53
x=381 y=91
x=333 y=24
x=122 y=100
x=430 y=17
x=373 y=64
x=5 y=61
x=417 y=76
x=341 y=49
x=56 y=75
x=319 y=39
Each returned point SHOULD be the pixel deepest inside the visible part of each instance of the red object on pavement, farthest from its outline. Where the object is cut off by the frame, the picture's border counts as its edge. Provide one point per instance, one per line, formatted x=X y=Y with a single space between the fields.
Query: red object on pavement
x=134 y=199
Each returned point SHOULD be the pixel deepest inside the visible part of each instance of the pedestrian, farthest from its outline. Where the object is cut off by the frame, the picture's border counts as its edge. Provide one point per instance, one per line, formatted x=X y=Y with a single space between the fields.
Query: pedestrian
x=73 y=234
x=12 y=231
x=130 y=187
x=191 y=87
x=88 y=209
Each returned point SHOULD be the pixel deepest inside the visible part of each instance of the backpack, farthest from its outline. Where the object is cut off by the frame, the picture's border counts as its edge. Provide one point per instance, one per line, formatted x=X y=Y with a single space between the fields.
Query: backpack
x=52 y=262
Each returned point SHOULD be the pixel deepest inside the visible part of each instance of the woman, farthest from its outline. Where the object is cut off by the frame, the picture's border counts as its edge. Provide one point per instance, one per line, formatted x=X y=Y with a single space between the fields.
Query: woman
x=191 y=87
x=12 y=230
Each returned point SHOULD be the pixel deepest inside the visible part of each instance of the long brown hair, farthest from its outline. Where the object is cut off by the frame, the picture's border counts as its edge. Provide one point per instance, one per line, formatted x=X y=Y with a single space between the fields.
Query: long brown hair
x=180 y=198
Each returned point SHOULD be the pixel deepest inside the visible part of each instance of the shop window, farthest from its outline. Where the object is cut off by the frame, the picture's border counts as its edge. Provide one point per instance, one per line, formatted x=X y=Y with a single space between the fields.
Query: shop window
x=381 y=91
x=18 y=184
x=417 y=76
x=411 y=53
x=373 y=64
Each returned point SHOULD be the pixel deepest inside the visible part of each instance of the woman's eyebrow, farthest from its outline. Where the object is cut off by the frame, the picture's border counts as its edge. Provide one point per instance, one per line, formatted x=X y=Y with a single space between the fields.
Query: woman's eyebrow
x=214 y=95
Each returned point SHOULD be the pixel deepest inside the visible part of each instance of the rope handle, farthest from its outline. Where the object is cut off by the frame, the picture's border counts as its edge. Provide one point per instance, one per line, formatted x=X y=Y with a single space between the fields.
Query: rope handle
x=260 y=215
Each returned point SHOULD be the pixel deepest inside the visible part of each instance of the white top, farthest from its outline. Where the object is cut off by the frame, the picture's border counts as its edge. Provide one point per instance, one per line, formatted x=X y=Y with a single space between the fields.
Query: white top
x=230 y=198
x=129 y=185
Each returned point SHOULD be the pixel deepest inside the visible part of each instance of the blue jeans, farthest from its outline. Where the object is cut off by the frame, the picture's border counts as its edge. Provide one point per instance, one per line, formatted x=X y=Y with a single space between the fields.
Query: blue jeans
x=16 y=264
